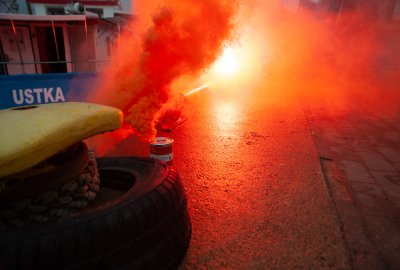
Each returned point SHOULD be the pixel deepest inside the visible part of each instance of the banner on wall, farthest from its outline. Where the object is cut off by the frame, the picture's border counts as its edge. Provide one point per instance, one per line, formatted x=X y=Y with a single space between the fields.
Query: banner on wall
x=31 y=89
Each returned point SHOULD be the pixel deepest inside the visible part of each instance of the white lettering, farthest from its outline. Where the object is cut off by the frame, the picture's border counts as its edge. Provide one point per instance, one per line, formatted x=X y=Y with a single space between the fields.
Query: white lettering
x=47 y=95
x=59 y=95
x=28 y=96
x=37 y=95
x=38 y=91
x=18 y=99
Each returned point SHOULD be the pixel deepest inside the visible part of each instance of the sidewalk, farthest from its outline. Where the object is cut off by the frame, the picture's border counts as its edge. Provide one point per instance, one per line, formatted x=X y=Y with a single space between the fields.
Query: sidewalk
x=359 y=148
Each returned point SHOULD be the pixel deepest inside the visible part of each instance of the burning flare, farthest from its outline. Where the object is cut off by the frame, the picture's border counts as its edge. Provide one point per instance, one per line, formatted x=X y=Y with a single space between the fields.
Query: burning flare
x=178 y=42
x=228 y=64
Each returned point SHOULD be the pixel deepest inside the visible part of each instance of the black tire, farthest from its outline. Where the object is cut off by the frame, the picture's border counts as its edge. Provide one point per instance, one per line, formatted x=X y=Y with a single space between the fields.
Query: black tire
x=147 y=227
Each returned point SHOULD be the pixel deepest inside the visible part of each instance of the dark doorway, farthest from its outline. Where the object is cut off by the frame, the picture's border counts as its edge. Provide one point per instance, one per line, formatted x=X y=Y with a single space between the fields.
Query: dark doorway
x=3 y=66
x=51 y=49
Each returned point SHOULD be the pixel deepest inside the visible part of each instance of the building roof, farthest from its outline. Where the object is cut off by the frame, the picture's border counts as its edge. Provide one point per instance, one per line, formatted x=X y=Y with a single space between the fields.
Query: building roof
x=83 y=2
x=93 y=18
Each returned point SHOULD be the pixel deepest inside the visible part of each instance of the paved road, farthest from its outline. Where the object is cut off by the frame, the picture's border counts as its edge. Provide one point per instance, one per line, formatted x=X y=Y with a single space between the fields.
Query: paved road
x=257 y=194
x=284 y=185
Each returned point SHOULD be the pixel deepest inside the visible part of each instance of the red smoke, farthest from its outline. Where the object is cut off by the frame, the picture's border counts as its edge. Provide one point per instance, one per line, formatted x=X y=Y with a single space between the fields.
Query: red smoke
x=317 y=51
x=288 y=53
x=183 y=38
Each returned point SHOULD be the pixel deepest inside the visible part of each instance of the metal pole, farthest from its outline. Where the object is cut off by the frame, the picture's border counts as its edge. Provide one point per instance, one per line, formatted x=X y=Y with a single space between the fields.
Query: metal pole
x=55 y=40
x=86 y=32
x=18 y=47
x=87 y=43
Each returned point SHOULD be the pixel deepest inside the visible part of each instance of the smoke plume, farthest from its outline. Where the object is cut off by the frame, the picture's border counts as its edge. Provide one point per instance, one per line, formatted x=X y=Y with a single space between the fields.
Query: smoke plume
x=317 y=49
x=182 y=39
x=288 y=51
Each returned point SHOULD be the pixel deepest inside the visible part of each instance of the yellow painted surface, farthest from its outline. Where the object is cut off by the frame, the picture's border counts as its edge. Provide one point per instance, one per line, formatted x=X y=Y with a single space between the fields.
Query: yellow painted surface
x=30 y=135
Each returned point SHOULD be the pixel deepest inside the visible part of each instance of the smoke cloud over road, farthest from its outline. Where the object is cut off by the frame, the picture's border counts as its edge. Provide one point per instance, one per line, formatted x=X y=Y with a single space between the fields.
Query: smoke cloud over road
x=269 y=49
x=315 y=51
x=182 y=38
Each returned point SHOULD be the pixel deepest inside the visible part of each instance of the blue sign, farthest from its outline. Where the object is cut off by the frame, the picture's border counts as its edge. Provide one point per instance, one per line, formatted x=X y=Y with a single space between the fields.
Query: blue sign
x=23 y=90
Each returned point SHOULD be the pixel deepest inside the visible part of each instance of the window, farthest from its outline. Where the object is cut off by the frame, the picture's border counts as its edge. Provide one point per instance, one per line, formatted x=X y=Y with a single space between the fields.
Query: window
x=55 y=11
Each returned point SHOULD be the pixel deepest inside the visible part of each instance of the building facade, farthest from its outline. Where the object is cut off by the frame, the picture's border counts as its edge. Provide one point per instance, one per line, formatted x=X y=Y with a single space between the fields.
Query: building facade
x=56 y=36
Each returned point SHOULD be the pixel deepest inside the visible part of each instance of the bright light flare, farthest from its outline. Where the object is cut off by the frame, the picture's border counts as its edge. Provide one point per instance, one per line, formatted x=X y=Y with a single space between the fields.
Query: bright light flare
x=228 y=63
x=241 y=64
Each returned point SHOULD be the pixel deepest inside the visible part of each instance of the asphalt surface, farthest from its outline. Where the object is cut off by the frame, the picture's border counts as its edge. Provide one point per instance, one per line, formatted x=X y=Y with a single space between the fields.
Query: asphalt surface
x=257 y=194
x=258 y=197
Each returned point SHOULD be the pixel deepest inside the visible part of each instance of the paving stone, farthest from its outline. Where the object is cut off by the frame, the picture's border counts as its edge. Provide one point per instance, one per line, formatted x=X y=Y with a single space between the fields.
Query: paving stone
x=395 y=122
x=372 y=200
x=377 y=125
x=367 y=149
x=363 y=253
x=397 y=165
x=392 y=135
x=385 y=233
x=367 y=188
x=374 y=140
x=389 y=181
x=343 y=151
x=396 y=204
x=332 y=136
x=356 y=171
x=376 y=161
x=390 y=153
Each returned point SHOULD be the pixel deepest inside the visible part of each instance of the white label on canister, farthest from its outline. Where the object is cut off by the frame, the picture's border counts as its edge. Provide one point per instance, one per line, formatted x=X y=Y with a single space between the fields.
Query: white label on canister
x=164 y=158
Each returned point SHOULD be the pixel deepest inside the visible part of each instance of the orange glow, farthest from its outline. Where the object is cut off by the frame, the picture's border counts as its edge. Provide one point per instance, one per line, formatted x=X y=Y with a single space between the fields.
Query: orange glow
x=242 y=63
x=175 y=42
x=195 y=90
x=227 y=114
x=102 y=143
x=290 y=54
x=228 y=63
x=258 y=48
